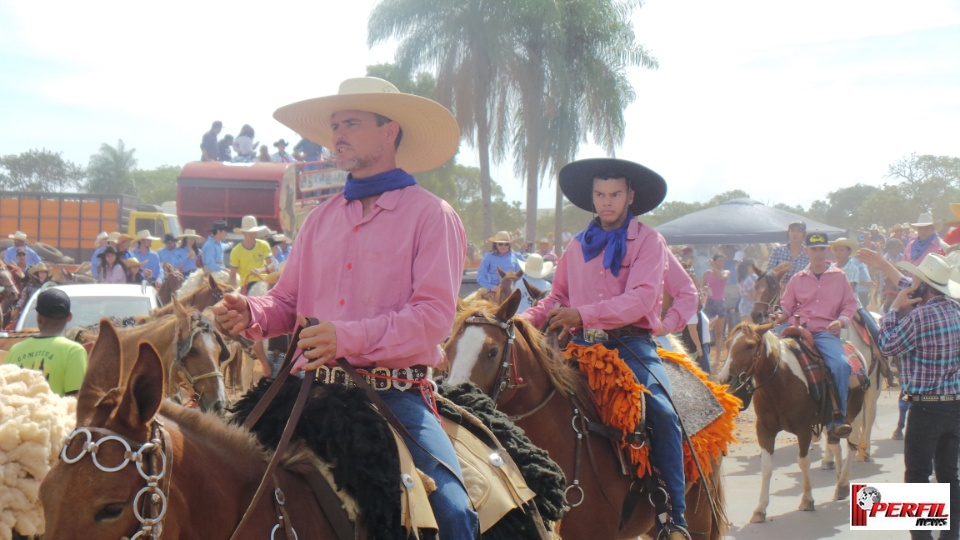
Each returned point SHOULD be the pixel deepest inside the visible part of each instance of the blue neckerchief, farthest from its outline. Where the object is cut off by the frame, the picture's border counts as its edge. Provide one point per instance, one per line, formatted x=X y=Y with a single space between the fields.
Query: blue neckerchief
x=613 y=244
x=919 y=246
x=377 y=184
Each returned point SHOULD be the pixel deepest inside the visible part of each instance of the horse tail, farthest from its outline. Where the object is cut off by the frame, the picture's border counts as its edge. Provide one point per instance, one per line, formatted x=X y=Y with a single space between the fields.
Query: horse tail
x=710 y=523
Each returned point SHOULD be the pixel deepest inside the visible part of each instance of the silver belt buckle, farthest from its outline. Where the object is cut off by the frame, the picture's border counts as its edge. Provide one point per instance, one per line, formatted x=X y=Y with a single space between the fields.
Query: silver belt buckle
x=593 y=335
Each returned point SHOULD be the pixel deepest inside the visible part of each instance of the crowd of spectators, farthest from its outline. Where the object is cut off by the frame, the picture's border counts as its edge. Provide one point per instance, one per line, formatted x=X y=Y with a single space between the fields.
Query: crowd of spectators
x=244 y=148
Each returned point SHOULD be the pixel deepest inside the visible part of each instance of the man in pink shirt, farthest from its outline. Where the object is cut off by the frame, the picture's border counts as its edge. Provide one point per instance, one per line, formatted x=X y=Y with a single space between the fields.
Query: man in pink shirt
x=379 y=265
x=610 y=278
x=926 y=242
x=821 y=295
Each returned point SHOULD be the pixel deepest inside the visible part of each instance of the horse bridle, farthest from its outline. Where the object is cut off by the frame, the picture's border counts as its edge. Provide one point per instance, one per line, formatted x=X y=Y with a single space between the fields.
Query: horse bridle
x=198 y=325
x=772 y=282
x=745 y=379
x=152 y=465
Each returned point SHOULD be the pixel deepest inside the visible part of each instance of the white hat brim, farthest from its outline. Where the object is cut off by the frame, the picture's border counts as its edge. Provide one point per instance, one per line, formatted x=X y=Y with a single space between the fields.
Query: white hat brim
x=431 y=135
x=951 y=288
x=259 y=228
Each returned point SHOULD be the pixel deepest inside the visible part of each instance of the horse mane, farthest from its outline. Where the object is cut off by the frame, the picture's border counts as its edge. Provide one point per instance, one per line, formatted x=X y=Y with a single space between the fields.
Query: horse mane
x=212 y=430
x=562 y=375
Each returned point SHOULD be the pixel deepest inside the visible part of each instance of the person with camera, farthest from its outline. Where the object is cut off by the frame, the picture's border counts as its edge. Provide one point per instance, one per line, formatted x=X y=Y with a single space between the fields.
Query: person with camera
x=923 y=328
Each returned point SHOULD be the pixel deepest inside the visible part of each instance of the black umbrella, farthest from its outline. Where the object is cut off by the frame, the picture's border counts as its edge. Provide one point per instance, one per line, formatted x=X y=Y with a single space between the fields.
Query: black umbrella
x=738 y=221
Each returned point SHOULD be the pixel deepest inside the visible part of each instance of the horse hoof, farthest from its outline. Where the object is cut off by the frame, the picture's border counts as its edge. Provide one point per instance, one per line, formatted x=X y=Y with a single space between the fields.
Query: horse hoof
x=807 y=506
x=828 y=465
x=841 y=493
x=865 y=459
x=758 y=517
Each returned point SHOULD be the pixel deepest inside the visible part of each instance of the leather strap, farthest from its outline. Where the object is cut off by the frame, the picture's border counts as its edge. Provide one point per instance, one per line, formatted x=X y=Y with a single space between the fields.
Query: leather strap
x=275 y=387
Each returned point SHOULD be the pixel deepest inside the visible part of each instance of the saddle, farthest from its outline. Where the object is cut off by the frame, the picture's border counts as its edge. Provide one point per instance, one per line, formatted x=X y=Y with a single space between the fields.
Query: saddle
x=815 y=370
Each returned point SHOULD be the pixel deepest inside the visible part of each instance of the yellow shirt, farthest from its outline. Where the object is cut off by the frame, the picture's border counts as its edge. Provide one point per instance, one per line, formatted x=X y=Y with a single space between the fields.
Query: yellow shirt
x=63 y=362
x=245 y=260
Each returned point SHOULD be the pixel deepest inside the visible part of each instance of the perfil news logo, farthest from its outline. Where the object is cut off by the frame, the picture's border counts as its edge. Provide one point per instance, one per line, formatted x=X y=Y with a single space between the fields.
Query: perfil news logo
x=899 y=507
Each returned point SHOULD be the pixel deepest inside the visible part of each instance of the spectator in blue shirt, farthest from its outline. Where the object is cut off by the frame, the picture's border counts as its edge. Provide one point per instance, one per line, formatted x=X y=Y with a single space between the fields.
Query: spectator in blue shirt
x=212 y=251
x=191 y=250
x=500 y=256
x=171 y=254
x=148 y=258
x=101 y=243
x=20 y=241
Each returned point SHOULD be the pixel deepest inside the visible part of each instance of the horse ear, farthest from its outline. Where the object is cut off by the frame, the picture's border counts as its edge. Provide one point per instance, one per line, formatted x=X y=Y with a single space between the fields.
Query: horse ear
x=519 y=274
x=178 y=307
x=214 y=286
x=764 y=328
x=103 y=369
x=143 y=392
x=534 y=291
x=508 y=308
x=501 y=272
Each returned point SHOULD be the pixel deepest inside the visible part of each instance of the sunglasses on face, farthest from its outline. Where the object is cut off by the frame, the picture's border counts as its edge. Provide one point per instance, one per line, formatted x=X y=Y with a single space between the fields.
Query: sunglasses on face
x=501 y=243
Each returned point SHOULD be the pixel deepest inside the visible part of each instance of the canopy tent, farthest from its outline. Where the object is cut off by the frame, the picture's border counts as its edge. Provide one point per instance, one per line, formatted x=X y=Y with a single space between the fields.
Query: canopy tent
x=738 y=221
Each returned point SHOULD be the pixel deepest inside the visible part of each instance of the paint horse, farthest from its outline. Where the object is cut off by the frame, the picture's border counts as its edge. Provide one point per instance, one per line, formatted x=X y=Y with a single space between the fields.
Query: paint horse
x=761 y=366
x=538 y=389
x=138 y=464
x=9 y=294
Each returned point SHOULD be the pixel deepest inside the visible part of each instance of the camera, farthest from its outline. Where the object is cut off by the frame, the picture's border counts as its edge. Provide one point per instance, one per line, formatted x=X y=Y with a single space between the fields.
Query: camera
x=921 y=289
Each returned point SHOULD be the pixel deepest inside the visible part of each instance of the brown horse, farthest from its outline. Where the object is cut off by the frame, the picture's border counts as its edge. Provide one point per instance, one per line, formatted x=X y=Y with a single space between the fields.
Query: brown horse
x=190 y=347
x=767 y=298
x=9 y=292
x=197 y=471
x=172 y=280
x=208 y=292
x=541 y=404
x=761 y=366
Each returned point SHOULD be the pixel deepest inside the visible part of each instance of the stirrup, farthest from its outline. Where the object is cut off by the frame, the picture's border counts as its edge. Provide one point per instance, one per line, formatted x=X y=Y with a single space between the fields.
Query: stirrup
x=667 y=532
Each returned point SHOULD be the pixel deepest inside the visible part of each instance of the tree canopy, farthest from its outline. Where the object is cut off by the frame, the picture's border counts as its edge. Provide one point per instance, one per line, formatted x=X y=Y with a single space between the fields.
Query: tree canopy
x=39 y=170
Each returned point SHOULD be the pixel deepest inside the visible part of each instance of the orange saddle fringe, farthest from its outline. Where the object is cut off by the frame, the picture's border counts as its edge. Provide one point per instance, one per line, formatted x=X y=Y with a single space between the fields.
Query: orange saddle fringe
x=617 y=396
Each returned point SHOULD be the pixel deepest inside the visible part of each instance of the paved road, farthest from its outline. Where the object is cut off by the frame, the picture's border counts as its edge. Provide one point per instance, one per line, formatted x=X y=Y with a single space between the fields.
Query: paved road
x=831 y=518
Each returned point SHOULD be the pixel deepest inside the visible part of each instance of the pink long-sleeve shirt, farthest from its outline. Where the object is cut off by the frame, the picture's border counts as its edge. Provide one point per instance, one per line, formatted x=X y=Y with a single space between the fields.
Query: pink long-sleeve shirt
x=819 y=301
x=606 y=301
x=387 y=281
x=677 y=283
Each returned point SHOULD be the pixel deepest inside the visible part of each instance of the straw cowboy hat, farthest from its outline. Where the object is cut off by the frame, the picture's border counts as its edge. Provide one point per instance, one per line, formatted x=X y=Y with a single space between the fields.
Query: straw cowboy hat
x=936 y=271
x=535 y=266
x=845 y=242
x=576 y=182
x=500 y=237
x=249 y=225
x=19 y=235
x=431 y=135
x=102 y=236
x=124 y=236
x=189 y=233
x=133 y=262
x=37 y=268
x=145 y=235
x=925 y=220
x=282 y=238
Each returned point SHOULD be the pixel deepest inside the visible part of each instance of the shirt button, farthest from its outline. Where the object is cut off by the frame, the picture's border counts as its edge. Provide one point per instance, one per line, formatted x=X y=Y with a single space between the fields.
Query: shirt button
x=341 y=301
x=349 y=266
x=356 y=228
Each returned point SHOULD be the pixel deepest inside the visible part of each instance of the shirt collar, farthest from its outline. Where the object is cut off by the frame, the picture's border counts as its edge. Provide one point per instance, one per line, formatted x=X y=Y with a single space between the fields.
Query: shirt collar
x=388 y=200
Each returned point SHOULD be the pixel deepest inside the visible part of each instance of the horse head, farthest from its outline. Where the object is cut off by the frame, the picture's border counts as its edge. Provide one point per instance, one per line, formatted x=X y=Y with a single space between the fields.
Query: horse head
x=508 y=282
x=11 y=287
x=479 y=342
x=746 y=355
x=90 y=496
x=199 y=352
x=172 y=280
x=767 y=289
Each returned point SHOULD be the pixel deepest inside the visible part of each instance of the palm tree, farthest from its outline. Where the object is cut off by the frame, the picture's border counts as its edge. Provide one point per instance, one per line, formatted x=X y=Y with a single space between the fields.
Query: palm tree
x=464 y=41
x=109 y=170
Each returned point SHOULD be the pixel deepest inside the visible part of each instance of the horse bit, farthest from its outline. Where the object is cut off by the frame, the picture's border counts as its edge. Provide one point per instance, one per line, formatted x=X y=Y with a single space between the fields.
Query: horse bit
x=745 y=379
x=155 y=470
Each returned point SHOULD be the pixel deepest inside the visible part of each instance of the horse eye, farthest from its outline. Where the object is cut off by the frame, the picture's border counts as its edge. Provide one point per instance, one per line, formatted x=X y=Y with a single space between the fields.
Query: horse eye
x=110 y=511
x=493 y=352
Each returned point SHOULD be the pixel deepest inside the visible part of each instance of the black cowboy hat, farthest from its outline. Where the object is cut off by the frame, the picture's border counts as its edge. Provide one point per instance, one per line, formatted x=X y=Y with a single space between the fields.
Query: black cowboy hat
x=576 y=182
x=108 y=249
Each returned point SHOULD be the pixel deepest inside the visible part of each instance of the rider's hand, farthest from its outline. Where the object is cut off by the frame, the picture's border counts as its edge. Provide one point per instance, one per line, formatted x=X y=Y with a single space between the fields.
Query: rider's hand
x=318 y=343
x=232 y=313
x=835 y=327
x=564 y=319
x=905 y=297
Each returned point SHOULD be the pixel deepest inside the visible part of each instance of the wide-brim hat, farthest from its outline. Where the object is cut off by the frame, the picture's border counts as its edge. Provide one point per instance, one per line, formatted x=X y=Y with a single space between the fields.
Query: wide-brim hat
x=249 y=225
x=576 y=182
x=103 y=236
x=19 y=235
x=845 y=242
x=167 y=238
x=501 y=236
x=925 y=220
x=279 y=237
x=133 y=262
x=37 y=268
x=189 y=233
x=431 y=135
x=123 y=236
x=145 y=235
x=536 y=267
x=281 y=142
x=935 y=270
x=106 y=250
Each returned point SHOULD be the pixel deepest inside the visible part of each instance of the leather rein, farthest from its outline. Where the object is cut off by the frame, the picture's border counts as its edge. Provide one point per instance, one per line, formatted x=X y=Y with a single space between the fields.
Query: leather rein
x=746 y=379
x=198 y=325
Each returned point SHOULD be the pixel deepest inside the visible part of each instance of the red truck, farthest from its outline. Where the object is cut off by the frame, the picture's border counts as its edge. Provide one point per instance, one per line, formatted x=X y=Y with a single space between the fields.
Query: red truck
x=279 y=194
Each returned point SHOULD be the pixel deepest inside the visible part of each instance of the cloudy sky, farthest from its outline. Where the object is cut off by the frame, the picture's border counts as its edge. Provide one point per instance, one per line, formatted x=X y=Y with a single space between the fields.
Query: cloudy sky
x=786 y=101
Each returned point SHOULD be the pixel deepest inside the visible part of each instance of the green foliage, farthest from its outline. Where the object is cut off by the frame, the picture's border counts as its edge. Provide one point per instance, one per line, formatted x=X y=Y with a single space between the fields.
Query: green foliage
x=156 y=186
x=39 y=170
x=110 y=170
x=927 y=183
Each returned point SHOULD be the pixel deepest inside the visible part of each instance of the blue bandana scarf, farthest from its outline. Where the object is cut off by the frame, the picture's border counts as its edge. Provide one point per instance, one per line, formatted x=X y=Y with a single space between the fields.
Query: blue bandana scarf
x=613 y=244
x=919 y=246
x=377 y=184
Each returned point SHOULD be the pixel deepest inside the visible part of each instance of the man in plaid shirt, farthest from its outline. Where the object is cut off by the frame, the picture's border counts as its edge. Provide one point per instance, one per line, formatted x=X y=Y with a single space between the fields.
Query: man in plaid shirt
x=923 y=327
x=791 y=252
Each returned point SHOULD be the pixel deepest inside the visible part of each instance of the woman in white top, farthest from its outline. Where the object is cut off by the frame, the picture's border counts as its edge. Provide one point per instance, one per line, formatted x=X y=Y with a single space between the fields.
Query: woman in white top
x=244 y=146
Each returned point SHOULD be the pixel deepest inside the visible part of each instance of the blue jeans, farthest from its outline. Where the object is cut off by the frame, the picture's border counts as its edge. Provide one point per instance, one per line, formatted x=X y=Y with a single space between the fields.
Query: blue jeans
x=451 y=506
x=832 y=350
x=933 y=437
x=666 y=450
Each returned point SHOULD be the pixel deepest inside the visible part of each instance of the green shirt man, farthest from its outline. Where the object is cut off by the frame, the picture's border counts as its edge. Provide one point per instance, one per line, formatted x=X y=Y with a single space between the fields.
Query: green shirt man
x=63 y=362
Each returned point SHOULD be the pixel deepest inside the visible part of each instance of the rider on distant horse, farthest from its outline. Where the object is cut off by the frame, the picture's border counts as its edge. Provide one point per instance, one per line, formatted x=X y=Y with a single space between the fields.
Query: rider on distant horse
x=610 y=278
x=821 y=295
x=379 y=265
